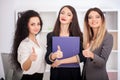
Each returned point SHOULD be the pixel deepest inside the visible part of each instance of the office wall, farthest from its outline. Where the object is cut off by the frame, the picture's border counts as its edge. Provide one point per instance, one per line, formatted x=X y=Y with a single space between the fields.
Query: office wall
x=8 y=8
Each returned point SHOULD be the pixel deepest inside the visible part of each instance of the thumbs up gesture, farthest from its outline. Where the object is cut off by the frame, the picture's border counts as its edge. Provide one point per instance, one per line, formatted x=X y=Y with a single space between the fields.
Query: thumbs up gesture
x=59 y=53
x=87 y=53
x=33 y=55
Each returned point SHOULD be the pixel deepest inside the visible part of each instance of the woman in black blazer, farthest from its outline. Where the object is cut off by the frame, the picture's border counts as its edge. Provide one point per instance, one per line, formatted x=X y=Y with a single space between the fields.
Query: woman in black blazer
x=97 y=43
x=65 y=26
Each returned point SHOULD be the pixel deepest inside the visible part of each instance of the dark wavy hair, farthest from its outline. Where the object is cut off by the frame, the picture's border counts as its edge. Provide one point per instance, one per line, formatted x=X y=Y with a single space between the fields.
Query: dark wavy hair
x=22 y=32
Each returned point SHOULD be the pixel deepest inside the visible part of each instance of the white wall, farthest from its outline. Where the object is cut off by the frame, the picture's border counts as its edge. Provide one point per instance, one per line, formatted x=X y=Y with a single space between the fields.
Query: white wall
x=8 y=7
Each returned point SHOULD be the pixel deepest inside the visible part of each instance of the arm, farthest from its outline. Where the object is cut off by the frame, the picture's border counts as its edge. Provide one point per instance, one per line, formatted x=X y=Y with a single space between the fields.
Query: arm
x=50 y=56
x=100 y=56
x=49 y=48
x=74 y=59
x=25 y=58
x=105 y=52
x=27 y=64
x=80 y=55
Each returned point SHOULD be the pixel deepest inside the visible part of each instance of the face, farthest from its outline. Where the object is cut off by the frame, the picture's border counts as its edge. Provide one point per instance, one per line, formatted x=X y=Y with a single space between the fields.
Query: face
x=66 y=16
x=94 y=19
x=34 y=25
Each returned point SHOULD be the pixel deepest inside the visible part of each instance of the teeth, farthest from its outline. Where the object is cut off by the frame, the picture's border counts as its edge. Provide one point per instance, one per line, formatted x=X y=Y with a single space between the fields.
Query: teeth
x=94 y=23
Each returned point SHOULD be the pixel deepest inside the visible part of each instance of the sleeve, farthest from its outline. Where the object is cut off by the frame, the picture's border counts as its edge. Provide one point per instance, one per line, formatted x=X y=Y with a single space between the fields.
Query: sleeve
x=80 y=57
x=100 y=60
x=49 y=48
x=23 y=53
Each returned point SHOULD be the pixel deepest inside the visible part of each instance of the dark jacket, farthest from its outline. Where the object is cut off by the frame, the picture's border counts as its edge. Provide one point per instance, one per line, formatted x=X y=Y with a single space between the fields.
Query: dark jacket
x=49 y=49
x=95 y=69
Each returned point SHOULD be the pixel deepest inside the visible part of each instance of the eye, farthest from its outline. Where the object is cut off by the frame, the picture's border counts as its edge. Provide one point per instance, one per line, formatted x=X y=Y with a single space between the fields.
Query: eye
x=98 y=16
x=89 y=17
x=69 y=14
x=62 y=12
x=32 y=24
x=38 y=23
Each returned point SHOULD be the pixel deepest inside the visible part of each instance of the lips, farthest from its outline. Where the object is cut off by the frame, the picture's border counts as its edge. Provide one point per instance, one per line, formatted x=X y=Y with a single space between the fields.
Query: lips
x=36 y=31
x=63 y=19
x=94 y=23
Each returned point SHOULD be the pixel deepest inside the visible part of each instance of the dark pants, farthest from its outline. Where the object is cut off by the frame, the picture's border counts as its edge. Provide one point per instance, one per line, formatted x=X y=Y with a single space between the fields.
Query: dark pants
x=65 y=74
x=36 y=76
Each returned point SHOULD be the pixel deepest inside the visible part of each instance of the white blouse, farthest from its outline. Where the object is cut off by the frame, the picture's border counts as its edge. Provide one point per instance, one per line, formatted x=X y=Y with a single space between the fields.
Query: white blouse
x=24 y=51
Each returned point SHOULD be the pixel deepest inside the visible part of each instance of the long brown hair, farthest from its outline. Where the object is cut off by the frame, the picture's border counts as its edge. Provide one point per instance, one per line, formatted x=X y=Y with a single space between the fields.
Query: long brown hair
x=88 y=32
x=74 y=28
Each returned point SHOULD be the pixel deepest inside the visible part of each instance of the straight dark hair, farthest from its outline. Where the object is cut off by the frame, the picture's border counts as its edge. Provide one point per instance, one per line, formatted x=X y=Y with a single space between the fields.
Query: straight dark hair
x=74 y=28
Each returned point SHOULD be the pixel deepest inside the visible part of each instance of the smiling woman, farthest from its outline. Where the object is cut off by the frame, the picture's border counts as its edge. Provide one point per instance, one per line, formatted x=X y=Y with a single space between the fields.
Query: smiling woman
x=66 y=26
x=27 y=52
x=98 y=43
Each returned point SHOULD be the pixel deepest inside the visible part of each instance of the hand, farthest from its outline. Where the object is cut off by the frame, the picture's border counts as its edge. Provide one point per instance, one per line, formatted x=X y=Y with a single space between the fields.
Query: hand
x=56 y=63
x=57 y=54
x=33 y=55
x=87 y=53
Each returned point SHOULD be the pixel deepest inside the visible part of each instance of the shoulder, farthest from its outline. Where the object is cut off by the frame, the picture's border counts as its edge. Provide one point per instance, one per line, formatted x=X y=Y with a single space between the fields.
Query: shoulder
x=108 y=39
x=50 y=34
x=108 y=36
x=25 y=43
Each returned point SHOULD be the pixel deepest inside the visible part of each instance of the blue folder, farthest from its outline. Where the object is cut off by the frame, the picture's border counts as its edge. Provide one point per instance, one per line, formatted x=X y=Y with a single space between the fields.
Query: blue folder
x=69 y=46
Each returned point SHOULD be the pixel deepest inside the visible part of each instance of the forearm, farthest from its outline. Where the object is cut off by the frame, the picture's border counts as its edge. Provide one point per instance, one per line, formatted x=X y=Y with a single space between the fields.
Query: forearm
x=69 y=60
x=48 y=58
x=98 y=61
x=27 y=64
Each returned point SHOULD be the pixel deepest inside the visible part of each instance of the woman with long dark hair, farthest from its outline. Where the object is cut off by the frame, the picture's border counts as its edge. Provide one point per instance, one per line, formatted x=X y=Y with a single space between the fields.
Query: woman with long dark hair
x=66 y=26
x=27 y=52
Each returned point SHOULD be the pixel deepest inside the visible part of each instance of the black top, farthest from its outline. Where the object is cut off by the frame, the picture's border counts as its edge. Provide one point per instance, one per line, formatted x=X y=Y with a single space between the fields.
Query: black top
x=49 y=49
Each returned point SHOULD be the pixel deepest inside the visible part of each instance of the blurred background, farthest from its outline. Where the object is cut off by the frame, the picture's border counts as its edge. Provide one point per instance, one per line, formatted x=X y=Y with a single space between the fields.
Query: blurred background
x=48 y=9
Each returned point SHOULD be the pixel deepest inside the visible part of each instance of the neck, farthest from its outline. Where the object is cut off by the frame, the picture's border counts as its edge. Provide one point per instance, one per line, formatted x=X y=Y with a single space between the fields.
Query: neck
x=32 y=37
x=95 y=31
x=64 y=30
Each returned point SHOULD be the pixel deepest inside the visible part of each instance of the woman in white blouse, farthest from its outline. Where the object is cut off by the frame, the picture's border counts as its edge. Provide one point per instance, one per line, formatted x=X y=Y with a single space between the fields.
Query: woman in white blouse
x=27 y=52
